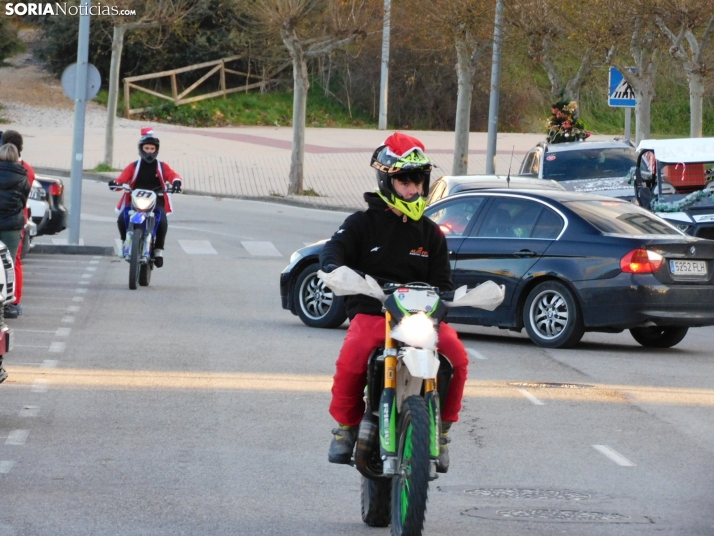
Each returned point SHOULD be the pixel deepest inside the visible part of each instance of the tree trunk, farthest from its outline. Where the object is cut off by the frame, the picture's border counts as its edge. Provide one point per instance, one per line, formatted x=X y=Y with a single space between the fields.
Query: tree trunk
x=300 y=87
x=696 y=103
x=643 y=108
x=117 y=46
x=465 y=73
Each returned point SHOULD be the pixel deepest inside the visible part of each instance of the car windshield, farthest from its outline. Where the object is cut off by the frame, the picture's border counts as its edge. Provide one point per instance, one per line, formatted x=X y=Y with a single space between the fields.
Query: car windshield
x=588 y=164
x=619 y=217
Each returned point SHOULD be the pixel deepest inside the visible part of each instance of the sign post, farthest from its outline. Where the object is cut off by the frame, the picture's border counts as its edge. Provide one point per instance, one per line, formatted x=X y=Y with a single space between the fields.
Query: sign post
x=621 y=95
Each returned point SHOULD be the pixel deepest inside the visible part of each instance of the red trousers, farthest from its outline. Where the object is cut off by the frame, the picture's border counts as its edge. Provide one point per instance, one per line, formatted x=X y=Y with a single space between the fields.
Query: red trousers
x=366 y=332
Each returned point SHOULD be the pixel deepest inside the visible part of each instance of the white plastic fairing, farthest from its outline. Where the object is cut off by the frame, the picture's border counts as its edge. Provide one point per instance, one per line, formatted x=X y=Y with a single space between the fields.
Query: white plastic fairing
x=421 y=363
x=143 y=200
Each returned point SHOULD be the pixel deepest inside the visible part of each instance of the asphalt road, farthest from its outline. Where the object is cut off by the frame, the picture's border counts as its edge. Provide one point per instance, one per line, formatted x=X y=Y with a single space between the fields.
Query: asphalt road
x=198 y=406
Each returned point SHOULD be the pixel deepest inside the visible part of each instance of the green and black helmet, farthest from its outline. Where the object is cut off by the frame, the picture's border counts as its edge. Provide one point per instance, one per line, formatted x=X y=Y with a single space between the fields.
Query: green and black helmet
x=402 y=157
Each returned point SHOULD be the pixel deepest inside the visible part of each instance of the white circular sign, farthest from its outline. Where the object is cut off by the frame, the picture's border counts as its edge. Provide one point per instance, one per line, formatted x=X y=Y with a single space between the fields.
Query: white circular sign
x=69 y=82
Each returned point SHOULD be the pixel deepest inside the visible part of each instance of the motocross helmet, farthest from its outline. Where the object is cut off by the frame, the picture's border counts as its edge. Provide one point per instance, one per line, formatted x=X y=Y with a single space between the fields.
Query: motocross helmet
x=147 y=137
x=402 y=157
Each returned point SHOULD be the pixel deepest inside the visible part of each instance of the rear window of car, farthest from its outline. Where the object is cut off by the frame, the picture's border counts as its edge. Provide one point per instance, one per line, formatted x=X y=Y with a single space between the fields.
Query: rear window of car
x=619 y=217
x=588 y=164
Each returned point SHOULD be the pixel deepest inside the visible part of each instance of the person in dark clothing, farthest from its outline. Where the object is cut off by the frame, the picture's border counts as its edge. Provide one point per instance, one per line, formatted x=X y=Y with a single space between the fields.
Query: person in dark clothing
x=391 y=241
x=14 y=191
x=148 y=174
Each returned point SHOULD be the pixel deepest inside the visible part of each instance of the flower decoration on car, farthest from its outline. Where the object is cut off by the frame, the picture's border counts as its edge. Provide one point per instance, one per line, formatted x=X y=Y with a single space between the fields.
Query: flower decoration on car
x=564 y=124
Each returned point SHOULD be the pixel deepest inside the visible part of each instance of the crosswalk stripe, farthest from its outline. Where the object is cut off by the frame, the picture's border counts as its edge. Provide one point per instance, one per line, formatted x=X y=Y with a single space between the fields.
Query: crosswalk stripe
x=261 y=249
x=197 y=247
x=63 y=242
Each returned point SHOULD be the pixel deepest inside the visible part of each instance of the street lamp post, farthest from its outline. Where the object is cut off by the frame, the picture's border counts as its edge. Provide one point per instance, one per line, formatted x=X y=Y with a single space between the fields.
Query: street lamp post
x=384 y=79
x=495 y=90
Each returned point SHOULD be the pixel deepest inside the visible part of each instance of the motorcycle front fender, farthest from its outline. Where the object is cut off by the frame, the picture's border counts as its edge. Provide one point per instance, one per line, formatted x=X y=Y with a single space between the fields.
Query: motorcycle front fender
x=421 y=363
x=137 y=218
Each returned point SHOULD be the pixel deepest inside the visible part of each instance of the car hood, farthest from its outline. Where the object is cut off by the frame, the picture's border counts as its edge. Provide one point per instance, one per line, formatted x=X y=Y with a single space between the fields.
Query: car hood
x=613 y=186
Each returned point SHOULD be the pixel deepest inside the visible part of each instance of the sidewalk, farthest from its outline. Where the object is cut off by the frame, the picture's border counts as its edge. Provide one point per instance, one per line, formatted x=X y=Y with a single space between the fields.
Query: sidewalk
x=254 y=162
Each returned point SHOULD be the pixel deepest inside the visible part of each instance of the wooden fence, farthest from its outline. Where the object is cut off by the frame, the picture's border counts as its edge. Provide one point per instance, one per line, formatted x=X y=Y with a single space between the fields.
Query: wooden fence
x=219 y=66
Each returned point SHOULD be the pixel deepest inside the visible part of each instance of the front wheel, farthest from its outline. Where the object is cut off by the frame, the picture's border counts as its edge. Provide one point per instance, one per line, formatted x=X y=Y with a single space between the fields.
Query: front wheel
x=659 y=337
x=552 y=317
x=317 y=306
x=375 y=502
x=411 y=483
x=134 y=266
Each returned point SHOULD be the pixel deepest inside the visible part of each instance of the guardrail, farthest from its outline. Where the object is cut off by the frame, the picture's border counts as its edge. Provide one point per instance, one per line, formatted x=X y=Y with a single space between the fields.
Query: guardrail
x=219 y=66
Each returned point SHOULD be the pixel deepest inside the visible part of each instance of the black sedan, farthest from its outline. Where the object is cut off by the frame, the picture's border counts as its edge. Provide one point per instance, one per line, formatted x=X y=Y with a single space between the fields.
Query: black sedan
x=54 y=195
x=570 y=263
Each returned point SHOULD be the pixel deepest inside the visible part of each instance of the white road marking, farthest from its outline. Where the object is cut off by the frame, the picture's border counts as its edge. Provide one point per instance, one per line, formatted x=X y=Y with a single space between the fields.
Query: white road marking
x=29 y=411
x=73 y=308
x=94 y=262
x=28 y=346
x=615 y=456
x=117 y=246
x=49 y=363
x=476 y=354
x=84 y=282
x=78 y=298
x=81 y=291
x=17 y=437
x=197 y=247
x=92 y=268
x=63 y=241
x=67 y=319
x=33 y=330
x=5 y=466
x=63 y=332
x=57 y=347
x=40 y=386
x=86 y=276
x=261 y=249
x=92 y=217
x=531 y=397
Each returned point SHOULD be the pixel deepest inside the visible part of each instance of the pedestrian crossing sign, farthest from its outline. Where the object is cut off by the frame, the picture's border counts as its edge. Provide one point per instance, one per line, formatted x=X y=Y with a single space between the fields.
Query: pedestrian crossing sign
x=620 y=92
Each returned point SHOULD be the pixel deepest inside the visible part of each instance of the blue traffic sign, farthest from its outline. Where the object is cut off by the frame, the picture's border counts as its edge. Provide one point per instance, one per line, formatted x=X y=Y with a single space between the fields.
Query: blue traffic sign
x=620 y=92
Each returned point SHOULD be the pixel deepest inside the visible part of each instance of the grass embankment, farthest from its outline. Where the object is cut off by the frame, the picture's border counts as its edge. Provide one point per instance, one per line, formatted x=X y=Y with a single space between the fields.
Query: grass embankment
x=2 y=119
x=261 y=109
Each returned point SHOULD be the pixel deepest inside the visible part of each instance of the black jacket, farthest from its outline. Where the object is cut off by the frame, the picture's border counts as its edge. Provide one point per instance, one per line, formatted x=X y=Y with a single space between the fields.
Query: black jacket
x=14 y=189
x=383 y=245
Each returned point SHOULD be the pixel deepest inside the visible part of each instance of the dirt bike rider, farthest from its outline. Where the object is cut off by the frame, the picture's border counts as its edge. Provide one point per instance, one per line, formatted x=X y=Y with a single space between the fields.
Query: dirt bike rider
x=391 y=241
x=148 y=173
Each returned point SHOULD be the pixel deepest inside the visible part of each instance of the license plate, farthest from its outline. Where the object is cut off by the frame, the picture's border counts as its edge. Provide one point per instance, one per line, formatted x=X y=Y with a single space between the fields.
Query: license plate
x=688 y=268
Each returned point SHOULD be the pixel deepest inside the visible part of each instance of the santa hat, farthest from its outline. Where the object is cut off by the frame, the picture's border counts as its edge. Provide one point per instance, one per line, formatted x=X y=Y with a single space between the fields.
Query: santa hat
x=400 y=145
x=147 y=133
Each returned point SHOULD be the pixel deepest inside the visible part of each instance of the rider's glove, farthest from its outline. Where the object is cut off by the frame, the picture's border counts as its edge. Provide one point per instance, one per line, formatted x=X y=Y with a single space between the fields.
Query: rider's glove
x=329 y=268
x=176 y=186
x=113 y=185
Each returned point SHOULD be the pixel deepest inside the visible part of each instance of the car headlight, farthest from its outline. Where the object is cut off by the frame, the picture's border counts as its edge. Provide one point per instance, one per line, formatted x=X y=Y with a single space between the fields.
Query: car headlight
x=295 y=257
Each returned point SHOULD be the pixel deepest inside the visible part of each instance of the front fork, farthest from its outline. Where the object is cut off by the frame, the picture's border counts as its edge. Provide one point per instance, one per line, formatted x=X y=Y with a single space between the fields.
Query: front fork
x=388 y=408
x=148 y=222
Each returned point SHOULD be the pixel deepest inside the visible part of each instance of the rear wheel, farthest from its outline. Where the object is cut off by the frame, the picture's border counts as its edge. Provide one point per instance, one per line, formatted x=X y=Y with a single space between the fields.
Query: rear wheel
x=375 y=502
x=411 y=483
x=134 y=266
x=659 y=337
x=552 y=317
x=145 y=274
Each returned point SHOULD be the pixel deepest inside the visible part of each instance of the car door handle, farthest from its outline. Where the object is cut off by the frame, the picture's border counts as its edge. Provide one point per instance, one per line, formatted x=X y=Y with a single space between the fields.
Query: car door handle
x=525 y=253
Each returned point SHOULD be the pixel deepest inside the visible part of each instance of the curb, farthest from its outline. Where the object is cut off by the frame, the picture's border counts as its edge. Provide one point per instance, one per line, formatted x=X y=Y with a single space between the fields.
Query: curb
x=72 y=249
x=264 y=198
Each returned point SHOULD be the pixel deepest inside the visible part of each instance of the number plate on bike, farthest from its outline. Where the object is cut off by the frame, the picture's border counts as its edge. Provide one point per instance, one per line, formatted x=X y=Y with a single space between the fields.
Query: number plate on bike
x=688 y=269
x=414 y=300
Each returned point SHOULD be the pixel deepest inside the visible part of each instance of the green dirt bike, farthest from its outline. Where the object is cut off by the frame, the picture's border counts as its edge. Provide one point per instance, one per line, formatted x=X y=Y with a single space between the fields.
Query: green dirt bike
x=407 y=381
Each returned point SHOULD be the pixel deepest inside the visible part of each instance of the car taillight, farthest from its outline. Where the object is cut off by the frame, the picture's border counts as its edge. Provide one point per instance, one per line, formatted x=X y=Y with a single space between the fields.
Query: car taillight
x=56 y=188
x=641 y=261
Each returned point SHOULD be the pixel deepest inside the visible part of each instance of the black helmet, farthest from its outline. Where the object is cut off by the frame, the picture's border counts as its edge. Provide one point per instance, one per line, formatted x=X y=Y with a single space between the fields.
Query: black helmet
x=147 y=138
x=402 y=156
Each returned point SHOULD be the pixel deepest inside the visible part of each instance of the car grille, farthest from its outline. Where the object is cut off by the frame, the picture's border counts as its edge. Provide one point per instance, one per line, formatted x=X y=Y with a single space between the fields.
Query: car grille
x=705 y=232
x=9 y=273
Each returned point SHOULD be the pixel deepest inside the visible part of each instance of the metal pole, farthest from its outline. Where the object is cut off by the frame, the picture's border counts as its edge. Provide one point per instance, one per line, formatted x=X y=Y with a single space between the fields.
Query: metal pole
x=384 y=80
x=80 y=104
x=495 y=89
x=628 y=124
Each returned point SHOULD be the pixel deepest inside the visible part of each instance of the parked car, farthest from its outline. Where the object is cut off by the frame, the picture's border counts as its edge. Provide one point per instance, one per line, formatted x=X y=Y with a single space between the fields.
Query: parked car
x=452 y=184
x=54 y=196
x=601 y=167
x=675 y=179
x=570 y=263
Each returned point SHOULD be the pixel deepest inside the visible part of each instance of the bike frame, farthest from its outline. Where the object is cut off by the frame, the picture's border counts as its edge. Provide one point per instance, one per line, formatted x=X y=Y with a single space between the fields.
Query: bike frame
x=147 y=220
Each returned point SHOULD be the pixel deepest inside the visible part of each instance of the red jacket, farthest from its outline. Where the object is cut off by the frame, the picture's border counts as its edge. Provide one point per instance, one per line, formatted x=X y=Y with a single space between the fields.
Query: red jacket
x=129 y=175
